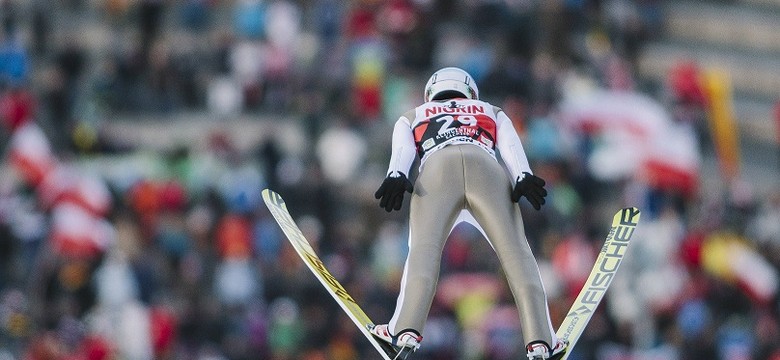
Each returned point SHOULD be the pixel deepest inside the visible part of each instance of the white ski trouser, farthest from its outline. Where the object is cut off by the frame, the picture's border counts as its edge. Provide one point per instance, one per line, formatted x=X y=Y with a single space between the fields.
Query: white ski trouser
x=457 y=178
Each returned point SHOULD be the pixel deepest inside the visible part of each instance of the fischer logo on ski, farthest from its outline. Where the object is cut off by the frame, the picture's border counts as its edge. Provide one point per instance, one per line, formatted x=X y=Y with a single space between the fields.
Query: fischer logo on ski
x=610 y=256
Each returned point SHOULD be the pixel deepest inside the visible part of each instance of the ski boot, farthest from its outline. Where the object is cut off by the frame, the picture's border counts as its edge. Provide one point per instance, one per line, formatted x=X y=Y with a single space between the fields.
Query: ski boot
x=406 y=341
x=539 y=350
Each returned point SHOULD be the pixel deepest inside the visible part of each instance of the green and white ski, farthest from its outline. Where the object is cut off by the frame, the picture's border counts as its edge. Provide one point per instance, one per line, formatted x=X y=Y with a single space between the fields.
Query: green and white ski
x=611 y=255
x=279 y=211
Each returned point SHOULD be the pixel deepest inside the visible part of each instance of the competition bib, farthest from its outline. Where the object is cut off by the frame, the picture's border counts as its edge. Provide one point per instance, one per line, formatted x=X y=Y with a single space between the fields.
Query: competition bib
x=454 y=122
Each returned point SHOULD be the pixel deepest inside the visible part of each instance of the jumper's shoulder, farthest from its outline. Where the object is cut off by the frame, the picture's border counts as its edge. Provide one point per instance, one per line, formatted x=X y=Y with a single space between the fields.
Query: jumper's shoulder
x=408 y=117
x=410 y=114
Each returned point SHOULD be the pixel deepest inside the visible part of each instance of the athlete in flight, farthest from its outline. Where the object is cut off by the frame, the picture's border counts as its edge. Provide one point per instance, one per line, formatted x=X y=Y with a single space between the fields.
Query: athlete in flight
x=460 y=179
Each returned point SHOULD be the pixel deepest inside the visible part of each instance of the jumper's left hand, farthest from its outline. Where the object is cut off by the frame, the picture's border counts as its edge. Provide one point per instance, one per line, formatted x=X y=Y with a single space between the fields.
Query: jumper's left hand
x=532 y=187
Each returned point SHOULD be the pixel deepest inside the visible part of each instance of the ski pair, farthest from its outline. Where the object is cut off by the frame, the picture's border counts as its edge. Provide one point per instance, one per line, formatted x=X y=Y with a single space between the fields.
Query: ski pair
x=607 y=262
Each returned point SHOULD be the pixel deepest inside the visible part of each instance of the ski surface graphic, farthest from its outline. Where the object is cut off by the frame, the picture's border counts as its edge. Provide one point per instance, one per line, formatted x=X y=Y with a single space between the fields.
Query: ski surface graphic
x=607 y=262
x=279 y=211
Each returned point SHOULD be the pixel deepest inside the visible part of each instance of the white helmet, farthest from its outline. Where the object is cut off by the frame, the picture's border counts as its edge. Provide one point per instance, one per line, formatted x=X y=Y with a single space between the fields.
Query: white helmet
x=451 y=79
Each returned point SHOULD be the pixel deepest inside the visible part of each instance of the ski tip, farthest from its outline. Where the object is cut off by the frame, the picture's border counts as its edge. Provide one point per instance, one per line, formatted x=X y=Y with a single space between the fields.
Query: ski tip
x=271 y=194
x=267 y=194
x=628 y=216
x=270 y=198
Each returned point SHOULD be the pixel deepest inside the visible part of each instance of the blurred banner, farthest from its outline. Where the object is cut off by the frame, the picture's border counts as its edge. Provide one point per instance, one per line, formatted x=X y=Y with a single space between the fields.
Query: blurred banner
x=731 y=258
x=634 y=136
x=723 y=127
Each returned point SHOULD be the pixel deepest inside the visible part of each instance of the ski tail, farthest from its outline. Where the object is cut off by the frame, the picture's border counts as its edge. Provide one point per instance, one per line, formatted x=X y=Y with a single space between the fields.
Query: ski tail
x=278 y=209
x=607 y=262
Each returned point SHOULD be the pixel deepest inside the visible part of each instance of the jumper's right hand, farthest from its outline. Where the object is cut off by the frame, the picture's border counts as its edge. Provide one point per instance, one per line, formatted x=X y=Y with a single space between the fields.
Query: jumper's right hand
x=391 y=192
x=532 y=187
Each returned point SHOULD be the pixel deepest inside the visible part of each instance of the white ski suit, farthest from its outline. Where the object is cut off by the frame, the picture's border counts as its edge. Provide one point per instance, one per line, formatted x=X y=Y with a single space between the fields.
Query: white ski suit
x=460 y=179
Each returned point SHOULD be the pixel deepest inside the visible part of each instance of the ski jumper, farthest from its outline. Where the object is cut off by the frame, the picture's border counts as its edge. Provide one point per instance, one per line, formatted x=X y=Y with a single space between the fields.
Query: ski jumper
x=460 y=179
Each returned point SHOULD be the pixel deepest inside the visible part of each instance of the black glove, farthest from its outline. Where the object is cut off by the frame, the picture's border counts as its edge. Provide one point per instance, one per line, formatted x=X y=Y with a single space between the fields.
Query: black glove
x=391 y=192
x=532 y=187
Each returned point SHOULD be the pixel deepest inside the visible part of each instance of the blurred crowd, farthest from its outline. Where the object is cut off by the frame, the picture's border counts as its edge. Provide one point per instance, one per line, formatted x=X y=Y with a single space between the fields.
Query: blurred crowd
x=110 y=249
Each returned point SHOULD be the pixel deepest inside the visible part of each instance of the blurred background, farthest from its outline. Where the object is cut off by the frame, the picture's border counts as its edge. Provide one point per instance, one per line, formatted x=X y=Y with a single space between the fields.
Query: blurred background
x=137 y=135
